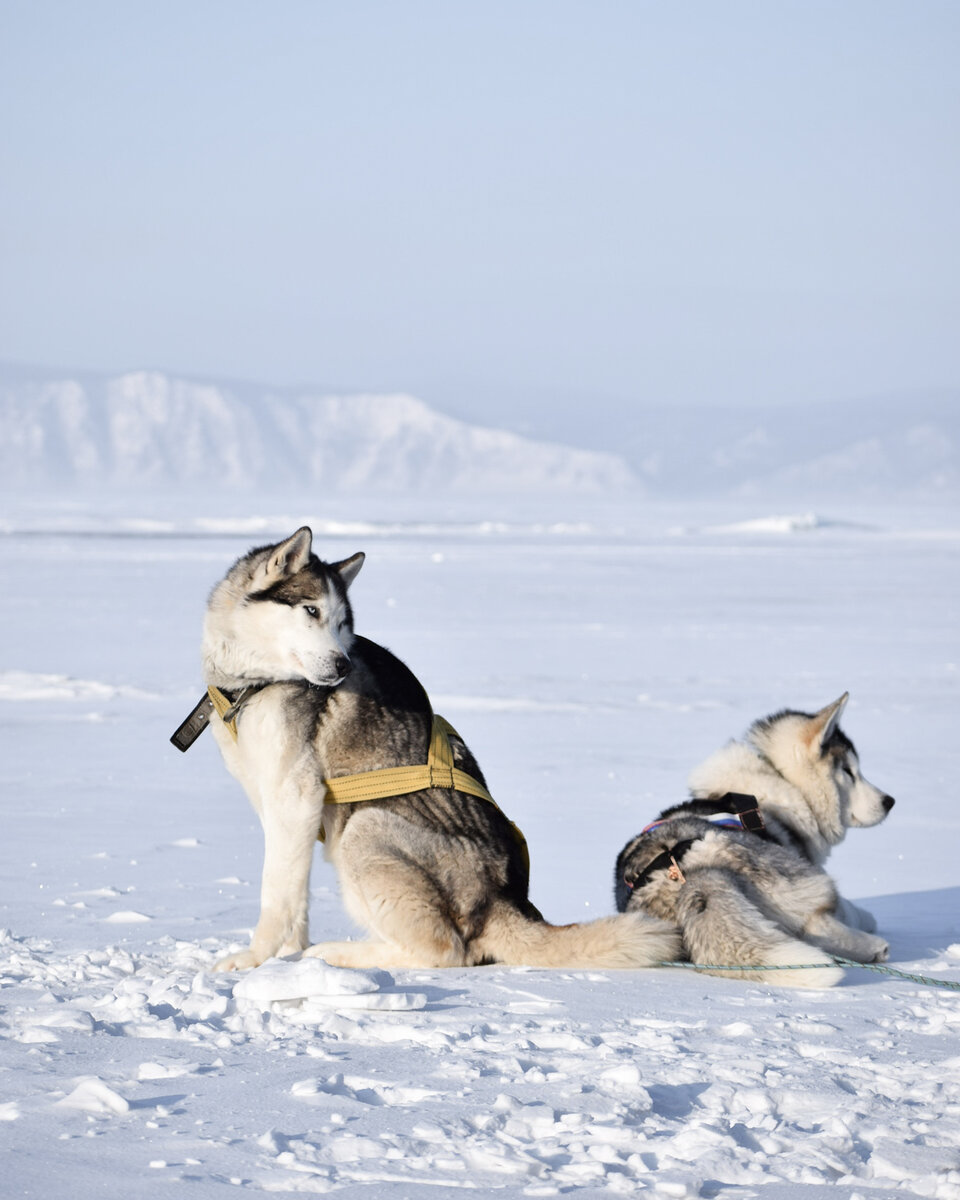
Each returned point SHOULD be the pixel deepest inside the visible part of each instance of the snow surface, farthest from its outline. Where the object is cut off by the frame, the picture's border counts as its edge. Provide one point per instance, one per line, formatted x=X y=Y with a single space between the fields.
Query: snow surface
x=591 y=656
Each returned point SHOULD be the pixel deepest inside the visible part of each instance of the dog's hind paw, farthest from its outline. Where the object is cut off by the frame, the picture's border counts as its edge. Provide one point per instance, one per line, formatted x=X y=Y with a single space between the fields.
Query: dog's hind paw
x=242 y=960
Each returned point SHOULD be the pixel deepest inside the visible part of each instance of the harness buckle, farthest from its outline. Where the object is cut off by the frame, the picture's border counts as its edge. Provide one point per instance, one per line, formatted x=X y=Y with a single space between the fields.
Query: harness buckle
x=747 y=809
x=752 y=820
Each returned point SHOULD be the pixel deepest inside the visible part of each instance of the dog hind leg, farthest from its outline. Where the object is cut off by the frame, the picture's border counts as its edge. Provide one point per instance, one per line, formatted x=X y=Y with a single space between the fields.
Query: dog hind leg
x=810 y=907
x=400 y=904
x=720 y=925
x=832 y=935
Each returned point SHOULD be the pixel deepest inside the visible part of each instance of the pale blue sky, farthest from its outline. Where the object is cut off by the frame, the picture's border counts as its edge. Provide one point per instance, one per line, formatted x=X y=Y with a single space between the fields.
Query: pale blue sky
x=502 y=207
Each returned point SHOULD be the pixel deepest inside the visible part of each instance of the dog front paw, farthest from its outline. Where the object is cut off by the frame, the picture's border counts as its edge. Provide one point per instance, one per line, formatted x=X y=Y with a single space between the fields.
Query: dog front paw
x=242 y=960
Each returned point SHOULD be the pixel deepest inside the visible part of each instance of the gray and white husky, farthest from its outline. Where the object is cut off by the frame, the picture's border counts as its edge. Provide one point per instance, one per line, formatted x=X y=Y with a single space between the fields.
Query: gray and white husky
x=739 y=866
x=437 y=877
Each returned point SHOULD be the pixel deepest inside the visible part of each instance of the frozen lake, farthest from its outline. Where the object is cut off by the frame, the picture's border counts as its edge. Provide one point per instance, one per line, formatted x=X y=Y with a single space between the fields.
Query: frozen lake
x=591 y=657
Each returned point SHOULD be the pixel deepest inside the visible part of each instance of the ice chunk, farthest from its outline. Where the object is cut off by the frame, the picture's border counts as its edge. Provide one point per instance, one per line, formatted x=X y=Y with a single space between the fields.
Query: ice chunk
x=308 y=978
x=92 y=1095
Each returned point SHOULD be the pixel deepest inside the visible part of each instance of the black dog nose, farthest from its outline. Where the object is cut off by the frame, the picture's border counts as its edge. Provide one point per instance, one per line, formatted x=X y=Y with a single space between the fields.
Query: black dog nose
x=342 y=666
x=888 y=803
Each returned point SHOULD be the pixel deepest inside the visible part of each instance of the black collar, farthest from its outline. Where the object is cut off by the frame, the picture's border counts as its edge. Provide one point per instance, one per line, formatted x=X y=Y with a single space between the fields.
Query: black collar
x=741 y=804
x=188 y=732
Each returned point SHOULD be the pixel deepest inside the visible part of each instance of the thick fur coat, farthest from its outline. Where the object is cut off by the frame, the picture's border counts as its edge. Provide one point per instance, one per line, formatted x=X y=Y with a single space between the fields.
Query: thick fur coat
x=437 y=877
x=763 y=899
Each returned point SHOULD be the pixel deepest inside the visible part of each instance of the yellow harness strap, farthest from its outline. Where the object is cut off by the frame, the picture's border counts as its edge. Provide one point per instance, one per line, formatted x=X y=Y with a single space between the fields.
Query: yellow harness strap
x=437 y=772
x=222 y=705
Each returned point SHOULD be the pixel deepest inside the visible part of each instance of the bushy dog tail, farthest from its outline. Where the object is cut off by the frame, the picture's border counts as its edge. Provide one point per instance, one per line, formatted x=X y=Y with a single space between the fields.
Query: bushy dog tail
x=804 y=959
x=720 y=925
x=625 y=941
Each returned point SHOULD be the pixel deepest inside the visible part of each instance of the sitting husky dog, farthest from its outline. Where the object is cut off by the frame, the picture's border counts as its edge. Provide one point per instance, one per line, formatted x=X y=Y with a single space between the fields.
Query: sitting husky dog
x=738 y=867
x=306 y=712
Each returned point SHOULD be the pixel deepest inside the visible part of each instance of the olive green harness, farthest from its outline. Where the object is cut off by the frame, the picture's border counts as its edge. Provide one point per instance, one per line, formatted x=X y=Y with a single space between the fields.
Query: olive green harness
x=437 y=772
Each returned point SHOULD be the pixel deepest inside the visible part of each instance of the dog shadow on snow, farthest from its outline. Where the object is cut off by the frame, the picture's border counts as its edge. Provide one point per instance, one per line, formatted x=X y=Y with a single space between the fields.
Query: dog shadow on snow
x=918 y=925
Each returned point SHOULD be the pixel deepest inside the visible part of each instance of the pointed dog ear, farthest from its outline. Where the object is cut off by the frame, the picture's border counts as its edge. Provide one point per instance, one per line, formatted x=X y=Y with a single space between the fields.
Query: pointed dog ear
x=349 y=568
x=822 y=725
x=290 y=556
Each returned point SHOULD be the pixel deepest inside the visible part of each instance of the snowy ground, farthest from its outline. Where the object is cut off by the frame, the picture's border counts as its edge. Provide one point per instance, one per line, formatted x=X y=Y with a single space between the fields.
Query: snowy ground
x=590 y=662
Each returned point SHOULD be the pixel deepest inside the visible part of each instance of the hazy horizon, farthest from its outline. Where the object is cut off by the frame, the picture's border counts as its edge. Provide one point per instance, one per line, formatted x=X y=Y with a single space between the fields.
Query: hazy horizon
x=508 y=212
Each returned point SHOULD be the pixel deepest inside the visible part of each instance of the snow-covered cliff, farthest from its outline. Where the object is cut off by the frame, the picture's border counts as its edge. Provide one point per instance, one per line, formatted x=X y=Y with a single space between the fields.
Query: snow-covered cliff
x=153 y=430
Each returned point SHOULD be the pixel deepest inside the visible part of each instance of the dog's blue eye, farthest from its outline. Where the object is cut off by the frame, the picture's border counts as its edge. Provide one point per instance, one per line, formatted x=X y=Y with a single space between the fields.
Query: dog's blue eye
x=310 y=610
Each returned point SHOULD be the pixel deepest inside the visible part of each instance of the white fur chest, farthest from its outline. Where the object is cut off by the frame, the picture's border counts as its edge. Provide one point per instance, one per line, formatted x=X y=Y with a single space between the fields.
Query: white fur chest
x=268 y=755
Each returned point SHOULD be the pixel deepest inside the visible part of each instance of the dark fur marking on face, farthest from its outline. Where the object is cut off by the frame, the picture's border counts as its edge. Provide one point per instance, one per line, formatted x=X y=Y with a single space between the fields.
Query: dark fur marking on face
x=316 y=576
x=271 y=595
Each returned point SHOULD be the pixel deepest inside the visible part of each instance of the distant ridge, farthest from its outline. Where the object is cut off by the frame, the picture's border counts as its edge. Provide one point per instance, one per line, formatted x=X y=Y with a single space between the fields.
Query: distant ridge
x=70 y=431
x=151 y=429
x=895 y=446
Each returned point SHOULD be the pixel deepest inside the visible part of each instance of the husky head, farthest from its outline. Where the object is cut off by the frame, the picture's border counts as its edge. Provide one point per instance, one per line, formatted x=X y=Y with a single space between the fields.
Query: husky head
x=813 y=753
x=281 y=614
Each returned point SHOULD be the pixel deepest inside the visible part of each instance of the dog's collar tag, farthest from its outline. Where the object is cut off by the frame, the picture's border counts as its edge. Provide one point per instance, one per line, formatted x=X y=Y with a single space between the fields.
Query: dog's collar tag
x=187 y=733
x=227 y=708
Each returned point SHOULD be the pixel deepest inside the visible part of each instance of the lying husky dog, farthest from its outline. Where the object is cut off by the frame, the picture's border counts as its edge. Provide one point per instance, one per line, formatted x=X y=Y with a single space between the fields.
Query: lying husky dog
x=738 y=867
x=308 y=715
